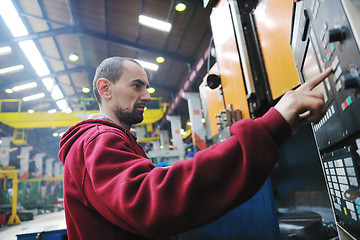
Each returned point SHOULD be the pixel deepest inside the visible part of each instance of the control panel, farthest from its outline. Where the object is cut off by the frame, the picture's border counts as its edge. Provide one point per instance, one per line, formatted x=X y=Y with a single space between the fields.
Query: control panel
x=326 y=33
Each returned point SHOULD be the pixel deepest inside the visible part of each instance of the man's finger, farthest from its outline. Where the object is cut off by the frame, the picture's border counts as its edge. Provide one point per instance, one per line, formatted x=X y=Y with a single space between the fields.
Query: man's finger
x=309 y=85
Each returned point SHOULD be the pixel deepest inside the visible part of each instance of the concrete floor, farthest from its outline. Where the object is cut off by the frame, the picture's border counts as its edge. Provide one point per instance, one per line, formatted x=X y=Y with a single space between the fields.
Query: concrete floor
x=55 y=220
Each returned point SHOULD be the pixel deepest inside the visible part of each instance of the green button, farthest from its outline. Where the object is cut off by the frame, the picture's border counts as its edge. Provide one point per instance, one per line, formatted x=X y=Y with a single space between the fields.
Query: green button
x=332 y=46
x=328 y=57
x=349 y=100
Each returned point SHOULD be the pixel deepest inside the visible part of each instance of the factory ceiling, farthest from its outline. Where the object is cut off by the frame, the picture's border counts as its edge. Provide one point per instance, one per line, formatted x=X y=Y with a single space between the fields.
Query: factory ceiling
x=94 y=30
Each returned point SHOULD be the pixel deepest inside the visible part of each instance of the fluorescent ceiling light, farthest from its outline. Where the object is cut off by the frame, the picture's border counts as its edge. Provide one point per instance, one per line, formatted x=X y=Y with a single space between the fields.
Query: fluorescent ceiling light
x=24 y=86
x=12 y=19
x=13 y=69
x=56 y=93
x=34 y=56
x=73 y=57
x=62 y=133
x=85 y=90
x=34 y=97
x=9 y=90
x=49 y=83
x=5 y=50
x=154 y=23
x=64 y=106
x=180 y=7
x=160 y=59
x=150 y=66
x=151 y=90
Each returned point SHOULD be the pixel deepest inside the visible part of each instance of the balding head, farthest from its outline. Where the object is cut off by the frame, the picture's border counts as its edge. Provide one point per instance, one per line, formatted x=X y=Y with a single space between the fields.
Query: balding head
x=112 y=69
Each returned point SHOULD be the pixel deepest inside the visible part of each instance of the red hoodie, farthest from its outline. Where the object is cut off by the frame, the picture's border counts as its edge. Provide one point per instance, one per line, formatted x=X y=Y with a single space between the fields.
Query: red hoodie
x=113 y=191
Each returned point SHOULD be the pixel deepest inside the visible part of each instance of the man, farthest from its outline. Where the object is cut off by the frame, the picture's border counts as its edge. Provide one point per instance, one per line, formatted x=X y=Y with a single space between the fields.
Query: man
x=111 y=189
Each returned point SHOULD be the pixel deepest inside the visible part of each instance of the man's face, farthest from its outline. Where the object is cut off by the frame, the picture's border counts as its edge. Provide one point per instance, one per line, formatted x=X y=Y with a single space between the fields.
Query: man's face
x=129 y=95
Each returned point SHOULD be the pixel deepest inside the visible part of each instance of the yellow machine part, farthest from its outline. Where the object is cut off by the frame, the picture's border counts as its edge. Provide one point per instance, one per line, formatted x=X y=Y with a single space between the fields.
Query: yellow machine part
x=228 y=59
x=25 y=120
x=42 y=179
x=12 y=174
x=60 y=119
x=273 y=20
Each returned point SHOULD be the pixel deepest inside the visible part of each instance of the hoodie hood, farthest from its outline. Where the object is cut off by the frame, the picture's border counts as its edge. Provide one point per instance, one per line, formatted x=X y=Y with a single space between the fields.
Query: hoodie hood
x=77 y=130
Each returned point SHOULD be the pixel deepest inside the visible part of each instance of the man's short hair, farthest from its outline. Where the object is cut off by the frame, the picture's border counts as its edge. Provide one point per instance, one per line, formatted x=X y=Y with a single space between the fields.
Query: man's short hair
x=112 y=69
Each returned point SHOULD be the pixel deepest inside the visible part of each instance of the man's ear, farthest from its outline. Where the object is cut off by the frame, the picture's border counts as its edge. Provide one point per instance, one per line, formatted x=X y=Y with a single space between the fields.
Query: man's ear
x=104 y=86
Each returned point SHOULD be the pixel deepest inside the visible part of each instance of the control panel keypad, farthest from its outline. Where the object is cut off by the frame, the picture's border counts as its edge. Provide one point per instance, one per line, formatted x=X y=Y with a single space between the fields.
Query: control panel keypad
x=340 y=175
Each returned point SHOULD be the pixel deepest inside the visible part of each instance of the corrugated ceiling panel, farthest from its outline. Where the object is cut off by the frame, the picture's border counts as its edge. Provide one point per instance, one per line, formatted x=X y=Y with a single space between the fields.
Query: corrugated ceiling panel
x=57 y=11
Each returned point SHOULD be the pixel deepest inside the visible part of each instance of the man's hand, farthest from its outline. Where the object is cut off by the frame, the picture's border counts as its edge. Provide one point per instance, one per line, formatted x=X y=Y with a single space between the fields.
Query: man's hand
x=302 y=106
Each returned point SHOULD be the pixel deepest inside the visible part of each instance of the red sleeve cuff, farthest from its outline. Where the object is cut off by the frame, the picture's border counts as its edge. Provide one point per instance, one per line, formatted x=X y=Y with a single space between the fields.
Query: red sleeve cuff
x=276 y=125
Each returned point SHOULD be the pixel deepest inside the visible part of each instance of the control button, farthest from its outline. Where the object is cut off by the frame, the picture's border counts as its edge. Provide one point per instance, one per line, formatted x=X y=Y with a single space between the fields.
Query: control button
x=350 y=171
x=338 y=163
x=337 y=206
x=348 y=162
x=337 y=34
x=351 y=80
x=343 y=180
x=353 y=181
x=332 y=47
x=340 y=171
x=337 y=73
x=353 y=215
x=348 y=99
x=335 y=63
x=328 y=57
x=346 y=103
x=332 y=109
x=357 y=208
x=338 y=86
x=350 y=206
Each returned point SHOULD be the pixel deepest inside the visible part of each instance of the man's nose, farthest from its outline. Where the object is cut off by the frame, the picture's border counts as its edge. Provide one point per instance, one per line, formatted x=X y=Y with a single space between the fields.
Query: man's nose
x=146 y=96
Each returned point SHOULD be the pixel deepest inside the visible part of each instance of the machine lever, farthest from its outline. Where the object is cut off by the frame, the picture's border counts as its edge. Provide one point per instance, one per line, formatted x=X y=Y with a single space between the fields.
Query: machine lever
x=352 y=194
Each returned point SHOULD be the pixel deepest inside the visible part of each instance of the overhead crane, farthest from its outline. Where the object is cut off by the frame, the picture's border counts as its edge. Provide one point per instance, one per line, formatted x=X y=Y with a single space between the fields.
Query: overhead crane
x=21 y=121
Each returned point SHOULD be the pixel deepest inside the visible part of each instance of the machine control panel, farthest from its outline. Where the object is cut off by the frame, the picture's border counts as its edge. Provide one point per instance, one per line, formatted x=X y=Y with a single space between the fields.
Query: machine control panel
x=326 y=34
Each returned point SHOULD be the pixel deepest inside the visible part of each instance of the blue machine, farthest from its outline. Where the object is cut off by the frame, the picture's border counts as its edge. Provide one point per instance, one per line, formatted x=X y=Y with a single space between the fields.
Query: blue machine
x=255 y=219
x=44 y=233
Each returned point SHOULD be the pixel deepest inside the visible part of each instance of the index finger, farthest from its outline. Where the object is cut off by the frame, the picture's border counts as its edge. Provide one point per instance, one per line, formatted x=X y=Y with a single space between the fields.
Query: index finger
x=309 y=85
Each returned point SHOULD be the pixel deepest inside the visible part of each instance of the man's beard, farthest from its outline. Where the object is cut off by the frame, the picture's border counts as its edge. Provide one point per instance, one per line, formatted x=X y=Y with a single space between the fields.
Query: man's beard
x=129 y=118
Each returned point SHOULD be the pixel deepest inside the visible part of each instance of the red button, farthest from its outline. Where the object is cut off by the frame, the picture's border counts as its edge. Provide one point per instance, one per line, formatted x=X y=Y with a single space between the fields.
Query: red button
x=330 y=52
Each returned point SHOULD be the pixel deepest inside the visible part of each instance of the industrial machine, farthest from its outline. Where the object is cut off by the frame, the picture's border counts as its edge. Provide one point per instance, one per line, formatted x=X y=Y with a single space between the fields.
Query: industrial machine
x=327 y=34
x=255 y=63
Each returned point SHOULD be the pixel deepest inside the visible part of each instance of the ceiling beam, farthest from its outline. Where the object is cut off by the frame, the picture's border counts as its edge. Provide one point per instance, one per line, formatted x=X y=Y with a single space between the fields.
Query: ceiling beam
x=22 y=14
x=106 y=37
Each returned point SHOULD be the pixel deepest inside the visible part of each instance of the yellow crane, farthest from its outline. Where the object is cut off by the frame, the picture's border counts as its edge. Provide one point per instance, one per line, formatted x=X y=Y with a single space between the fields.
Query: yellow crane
x=21 y=120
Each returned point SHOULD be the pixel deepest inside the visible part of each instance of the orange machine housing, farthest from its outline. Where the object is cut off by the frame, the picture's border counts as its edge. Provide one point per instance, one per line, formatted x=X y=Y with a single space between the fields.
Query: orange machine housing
x=227 y=56
x=273 y=20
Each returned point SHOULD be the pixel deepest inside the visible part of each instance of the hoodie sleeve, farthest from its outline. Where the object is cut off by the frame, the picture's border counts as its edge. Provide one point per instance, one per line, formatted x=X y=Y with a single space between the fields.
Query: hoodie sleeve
x=157 y=202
